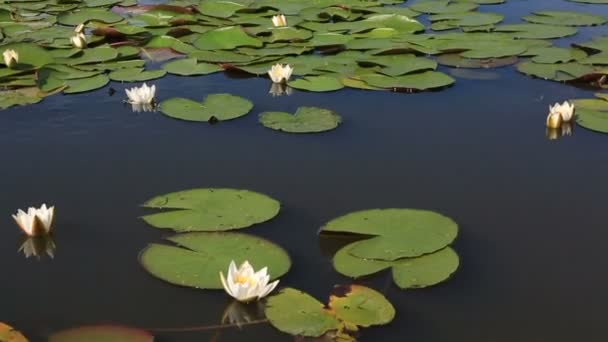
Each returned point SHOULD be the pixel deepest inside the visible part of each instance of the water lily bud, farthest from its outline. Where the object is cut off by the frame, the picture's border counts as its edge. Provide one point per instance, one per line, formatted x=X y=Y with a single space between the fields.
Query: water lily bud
x=11 y=57
x=279 y=20
x=79 y=40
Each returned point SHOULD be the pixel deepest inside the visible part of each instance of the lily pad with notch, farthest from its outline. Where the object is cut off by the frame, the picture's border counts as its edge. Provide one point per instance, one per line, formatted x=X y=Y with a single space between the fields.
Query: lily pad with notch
x=305 y=120
x=211 y=209
x=215 y=107
x=196 y=259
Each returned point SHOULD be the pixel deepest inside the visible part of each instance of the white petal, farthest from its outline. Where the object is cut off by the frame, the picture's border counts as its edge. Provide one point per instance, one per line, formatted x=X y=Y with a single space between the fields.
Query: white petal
x=268 y=289
x=226 y=287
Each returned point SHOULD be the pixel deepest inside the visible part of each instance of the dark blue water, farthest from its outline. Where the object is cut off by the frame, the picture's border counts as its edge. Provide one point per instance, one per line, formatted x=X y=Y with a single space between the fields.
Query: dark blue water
x=532 y=212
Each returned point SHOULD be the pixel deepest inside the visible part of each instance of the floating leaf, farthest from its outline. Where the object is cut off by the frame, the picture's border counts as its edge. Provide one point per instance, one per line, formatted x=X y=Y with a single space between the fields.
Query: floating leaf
x=190 y=67
x=565 y=18
x=88 y=14
x=297 y=313
x=420 y=81
x=225 y=38
x=198 y=258
x=102 y=333
x=135 y=75
x=361 y=306
x=399 y=233
x=81 y=85
x=536 y=31
x=30 y=55
x=219 y=107
x=19 y=97
x=425 y=270
x=350 y=306
x=592 y=113
x=211 y=209
x=317 y=83
x=556 y=72
x=442 y=6
x=305 y=120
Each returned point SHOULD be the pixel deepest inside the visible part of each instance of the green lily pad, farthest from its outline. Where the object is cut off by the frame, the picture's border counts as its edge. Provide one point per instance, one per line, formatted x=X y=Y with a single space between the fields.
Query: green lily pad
x=398 y=233
x=297 y=313
x=443 y=6
x=426 y=270
x=351 y=306
x=219 y=107
x=211 y=209
x=190 y=67
x=88 y=14
x=198 y=258
x=219 y=9
x=226 y=38
x=455 y=60
x=565 y=18
x=135 y=75
x=408 y=273
x=317 y=83
x=536 y=31
x=305 y=120
x=19 y=97
x=555 y=72
x=467 y=19
x=592 y=113
x=102 y=333
x=362 y=306
x=419 y=81
x=81 y=85
x=552 y=55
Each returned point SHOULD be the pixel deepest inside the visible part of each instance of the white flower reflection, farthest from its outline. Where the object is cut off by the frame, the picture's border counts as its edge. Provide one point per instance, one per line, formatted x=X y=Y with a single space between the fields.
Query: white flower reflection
x=38 y=246
x=280 y=89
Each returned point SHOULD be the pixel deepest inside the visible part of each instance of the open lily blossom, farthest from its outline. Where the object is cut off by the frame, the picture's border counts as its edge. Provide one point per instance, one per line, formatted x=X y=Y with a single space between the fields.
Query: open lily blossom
x=35 y=221
x=79 y=40
x=279 y=20
x=143 y=95
x=245 y=285
x=279 y=73
x=565 y=110
x=11 y=57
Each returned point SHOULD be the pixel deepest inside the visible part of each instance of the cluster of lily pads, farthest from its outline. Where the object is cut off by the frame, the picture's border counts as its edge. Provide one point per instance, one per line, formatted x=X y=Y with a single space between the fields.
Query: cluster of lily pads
x=412 y=242
x=74 y=47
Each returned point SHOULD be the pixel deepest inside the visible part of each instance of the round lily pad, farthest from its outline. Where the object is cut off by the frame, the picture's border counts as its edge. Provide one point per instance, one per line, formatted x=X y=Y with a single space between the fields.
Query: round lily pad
x=565 y=18
x=135 y=75
x=198 y=258
x=426 y=270
x=305 y=120
x=592 y=114
x=102 y=333
x=297 y=313
x=399 y=233
x=190 y=67
x=219 y=107
x=361 y=306
x=210 y=209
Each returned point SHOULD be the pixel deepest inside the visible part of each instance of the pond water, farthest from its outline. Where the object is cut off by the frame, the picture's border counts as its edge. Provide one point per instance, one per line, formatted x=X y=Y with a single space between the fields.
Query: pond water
x=531 y=210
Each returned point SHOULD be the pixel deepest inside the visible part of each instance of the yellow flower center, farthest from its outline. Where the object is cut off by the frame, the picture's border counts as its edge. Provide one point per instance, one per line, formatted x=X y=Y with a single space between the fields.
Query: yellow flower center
x=245 y=280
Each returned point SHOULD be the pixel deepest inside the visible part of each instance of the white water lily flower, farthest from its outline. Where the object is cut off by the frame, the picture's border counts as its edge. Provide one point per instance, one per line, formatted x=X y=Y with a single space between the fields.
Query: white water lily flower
x=244 y=284
x=279 y=20
x=143 y=95
x=35 y=221
x=11 y=57
x=79 y=40
x=565 y=110
x=278 y=73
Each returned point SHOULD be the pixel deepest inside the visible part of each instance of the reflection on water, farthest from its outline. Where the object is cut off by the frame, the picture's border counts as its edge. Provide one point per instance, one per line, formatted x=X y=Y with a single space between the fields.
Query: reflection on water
x=239 y=314
x=280 y=89
x=38 y=246
x=565 y=129
x=142 y=107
